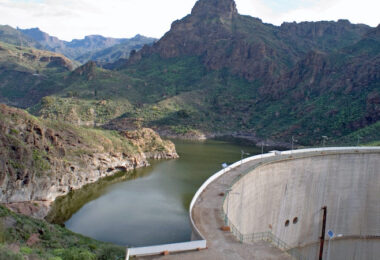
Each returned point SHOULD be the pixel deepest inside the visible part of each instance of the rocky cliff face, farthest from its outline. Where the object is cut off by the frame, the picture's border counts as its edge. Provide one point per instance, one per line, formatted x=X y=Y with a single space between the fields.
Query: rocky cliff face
x=323 y=35
x=41 y=161
x=225 y=9
x=244 y=45
x=222 y=38
x=307 y=79
x=228 y=73
x=87 y=70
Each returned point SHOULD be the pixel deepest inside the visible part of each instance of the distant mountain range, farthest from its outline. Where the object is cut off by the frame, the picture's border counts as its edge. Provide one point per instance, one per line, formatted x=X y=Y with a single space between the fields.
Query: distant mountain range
x=218 y=72
x=93 y=47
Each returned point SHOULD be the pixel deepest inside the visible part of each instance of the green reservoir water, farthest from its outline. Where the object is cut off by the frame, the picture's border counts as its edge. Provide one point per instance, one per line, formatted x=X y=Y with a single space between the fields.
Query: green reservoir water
x=151 y=206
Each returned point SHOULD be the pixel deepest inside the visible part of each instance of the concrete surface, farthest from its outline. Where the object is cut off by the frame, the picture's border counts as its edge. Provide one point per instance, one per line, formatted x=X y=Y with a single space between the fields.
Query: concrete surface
x=280 y=192
x=288 y=186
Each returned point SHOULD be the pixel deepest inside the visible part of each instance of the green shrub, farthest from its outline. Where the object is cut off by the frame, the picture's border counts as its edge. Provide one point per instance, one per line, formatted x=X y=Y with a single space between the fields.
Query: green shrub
x=40 y=163
x=8 y=254
x=14 y=131
x=46 y=235
x=26 y=250
x=111 y=252
x=47 y=101
x=74 y=254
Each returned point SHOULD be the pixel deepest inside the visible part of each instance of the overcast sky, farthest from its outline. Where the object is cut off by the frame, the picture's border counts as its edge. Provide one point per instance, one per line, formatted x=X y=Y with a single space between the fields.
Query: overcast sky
x=68 y=19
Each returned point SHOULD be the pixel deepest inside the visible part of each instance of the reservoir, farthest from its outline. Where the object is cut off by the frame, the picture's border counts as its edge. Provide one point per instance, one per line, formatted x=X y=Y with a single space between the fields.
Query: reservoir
x=150 y=205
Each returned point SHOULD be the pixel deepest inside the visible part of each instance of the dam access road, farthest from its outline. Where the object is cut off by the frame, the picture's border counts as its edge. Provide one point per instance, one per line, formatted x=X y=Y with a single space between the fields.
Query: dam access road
x=316 y=174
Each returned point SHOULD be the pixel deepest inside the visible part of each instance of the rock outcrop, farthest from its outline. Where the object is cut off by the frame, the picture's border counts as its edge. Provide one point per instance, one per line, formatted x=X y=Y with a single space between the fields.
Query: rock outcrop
x=87 y=71
x=244 y=45
x=41 y=160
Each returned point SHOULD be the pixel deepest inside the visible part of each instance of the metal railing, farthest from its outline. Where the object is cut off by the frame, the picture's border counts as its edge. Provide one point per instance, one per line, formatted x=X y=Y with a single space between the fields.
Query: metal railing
x=267 y=236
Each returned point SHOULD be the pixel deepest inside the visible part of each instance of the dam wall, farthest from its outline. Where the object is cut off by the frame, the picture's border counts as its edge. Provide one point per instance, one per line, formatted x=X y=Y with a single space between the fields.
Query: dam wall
x=285 y=197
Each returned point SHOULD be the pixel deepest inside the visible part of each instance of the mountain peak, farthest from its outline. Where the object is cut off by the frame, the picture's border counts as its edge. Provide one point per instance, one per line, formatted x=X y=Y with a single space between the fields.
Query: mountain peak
x=222 y=8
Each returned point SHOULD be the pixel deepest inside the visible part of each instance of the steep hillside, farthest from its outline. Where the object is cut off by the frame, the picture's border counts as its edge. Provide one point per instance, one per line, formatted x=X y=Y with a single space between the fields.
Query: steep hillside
x=217 y=72
x=92 y=97
x=256 y=51
x=324 y=36
x=27 y=75
x=23 y=237
x=43 y=159
x=350 y=77
x=234 y=73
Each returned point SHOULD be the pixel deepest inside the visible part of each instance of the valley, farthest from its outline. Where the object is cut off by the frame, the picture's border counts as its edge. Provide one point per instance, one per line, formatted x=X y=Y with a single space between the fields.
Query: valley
x=217 y=72
x=80 y=118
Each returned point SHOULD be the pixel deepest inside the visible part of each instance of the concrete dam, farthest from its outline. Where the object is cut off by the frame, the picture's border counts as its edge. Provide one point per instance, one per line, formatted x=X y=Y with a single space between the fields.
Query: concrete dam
x=284 y=197
x=276 y=205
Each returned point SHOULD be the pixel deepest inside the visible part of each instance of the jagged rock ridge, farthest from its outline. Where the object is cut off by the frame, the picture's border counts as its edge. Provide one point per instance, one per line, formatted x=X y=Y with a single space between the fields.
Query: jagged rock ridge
x=244 y=45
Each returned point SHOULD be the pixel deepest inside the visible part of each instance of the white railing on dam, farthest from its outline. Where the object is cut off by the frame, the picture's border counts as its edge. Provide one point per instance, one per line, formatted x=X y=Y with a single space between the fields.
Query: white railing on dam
x=159 y=249
x=199 y=241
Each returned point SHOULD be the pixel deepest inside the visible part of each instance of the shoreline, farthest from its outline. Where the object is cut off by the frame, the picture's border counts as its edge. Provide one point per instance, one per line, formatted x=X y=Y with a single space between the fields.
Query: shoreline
x=41 y=208
x=234 y=137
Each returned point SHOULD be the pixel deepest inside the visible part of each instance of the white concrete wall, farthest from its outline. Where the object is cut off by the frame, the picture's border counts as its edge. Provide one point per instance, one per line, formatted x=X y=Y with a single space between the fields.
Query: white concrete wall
x=347 y=183
x=347 y=249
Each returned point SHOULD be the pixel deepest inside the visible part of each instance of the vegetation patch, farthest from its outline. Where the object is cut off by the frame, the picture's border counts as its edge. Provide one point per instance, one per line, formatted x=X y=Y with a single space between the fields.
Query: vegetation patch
x=55 y=242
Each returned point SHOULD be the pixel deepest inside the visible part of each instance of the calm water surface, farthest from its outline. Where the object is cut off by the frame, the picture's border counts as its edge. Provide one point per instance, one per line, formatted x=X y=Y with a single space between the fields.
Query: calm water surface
x=152 y=208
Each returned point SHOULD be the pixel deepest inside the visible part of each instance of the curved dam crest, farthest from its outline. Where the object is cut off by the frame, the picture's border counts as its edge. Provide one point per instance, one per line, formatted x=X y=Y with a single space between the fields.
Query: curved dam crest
x=285 y=198
x=345 y=172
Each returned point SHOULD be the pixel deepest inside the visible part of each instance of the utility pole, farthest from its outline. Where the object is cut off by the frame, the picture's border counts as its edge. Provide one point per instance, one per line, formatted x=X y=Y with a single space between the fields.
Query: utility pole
x=242 y=156
x=324 y=138
x=293 y=141
x=322 y=238
x=359 y=137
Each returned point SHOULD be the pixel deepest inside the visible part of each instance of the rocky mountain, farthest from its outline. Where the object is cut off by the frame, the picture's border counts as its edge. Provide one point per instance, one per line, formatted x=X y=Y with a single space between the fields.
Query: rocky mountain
x=349 y=76
x=239 y=74
x=117 y=51
x=324 y=36
x=12 y=36
x=218 y=72
x=42 y=159
x=223 y=39
x=92 y=47
x=47 y=42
